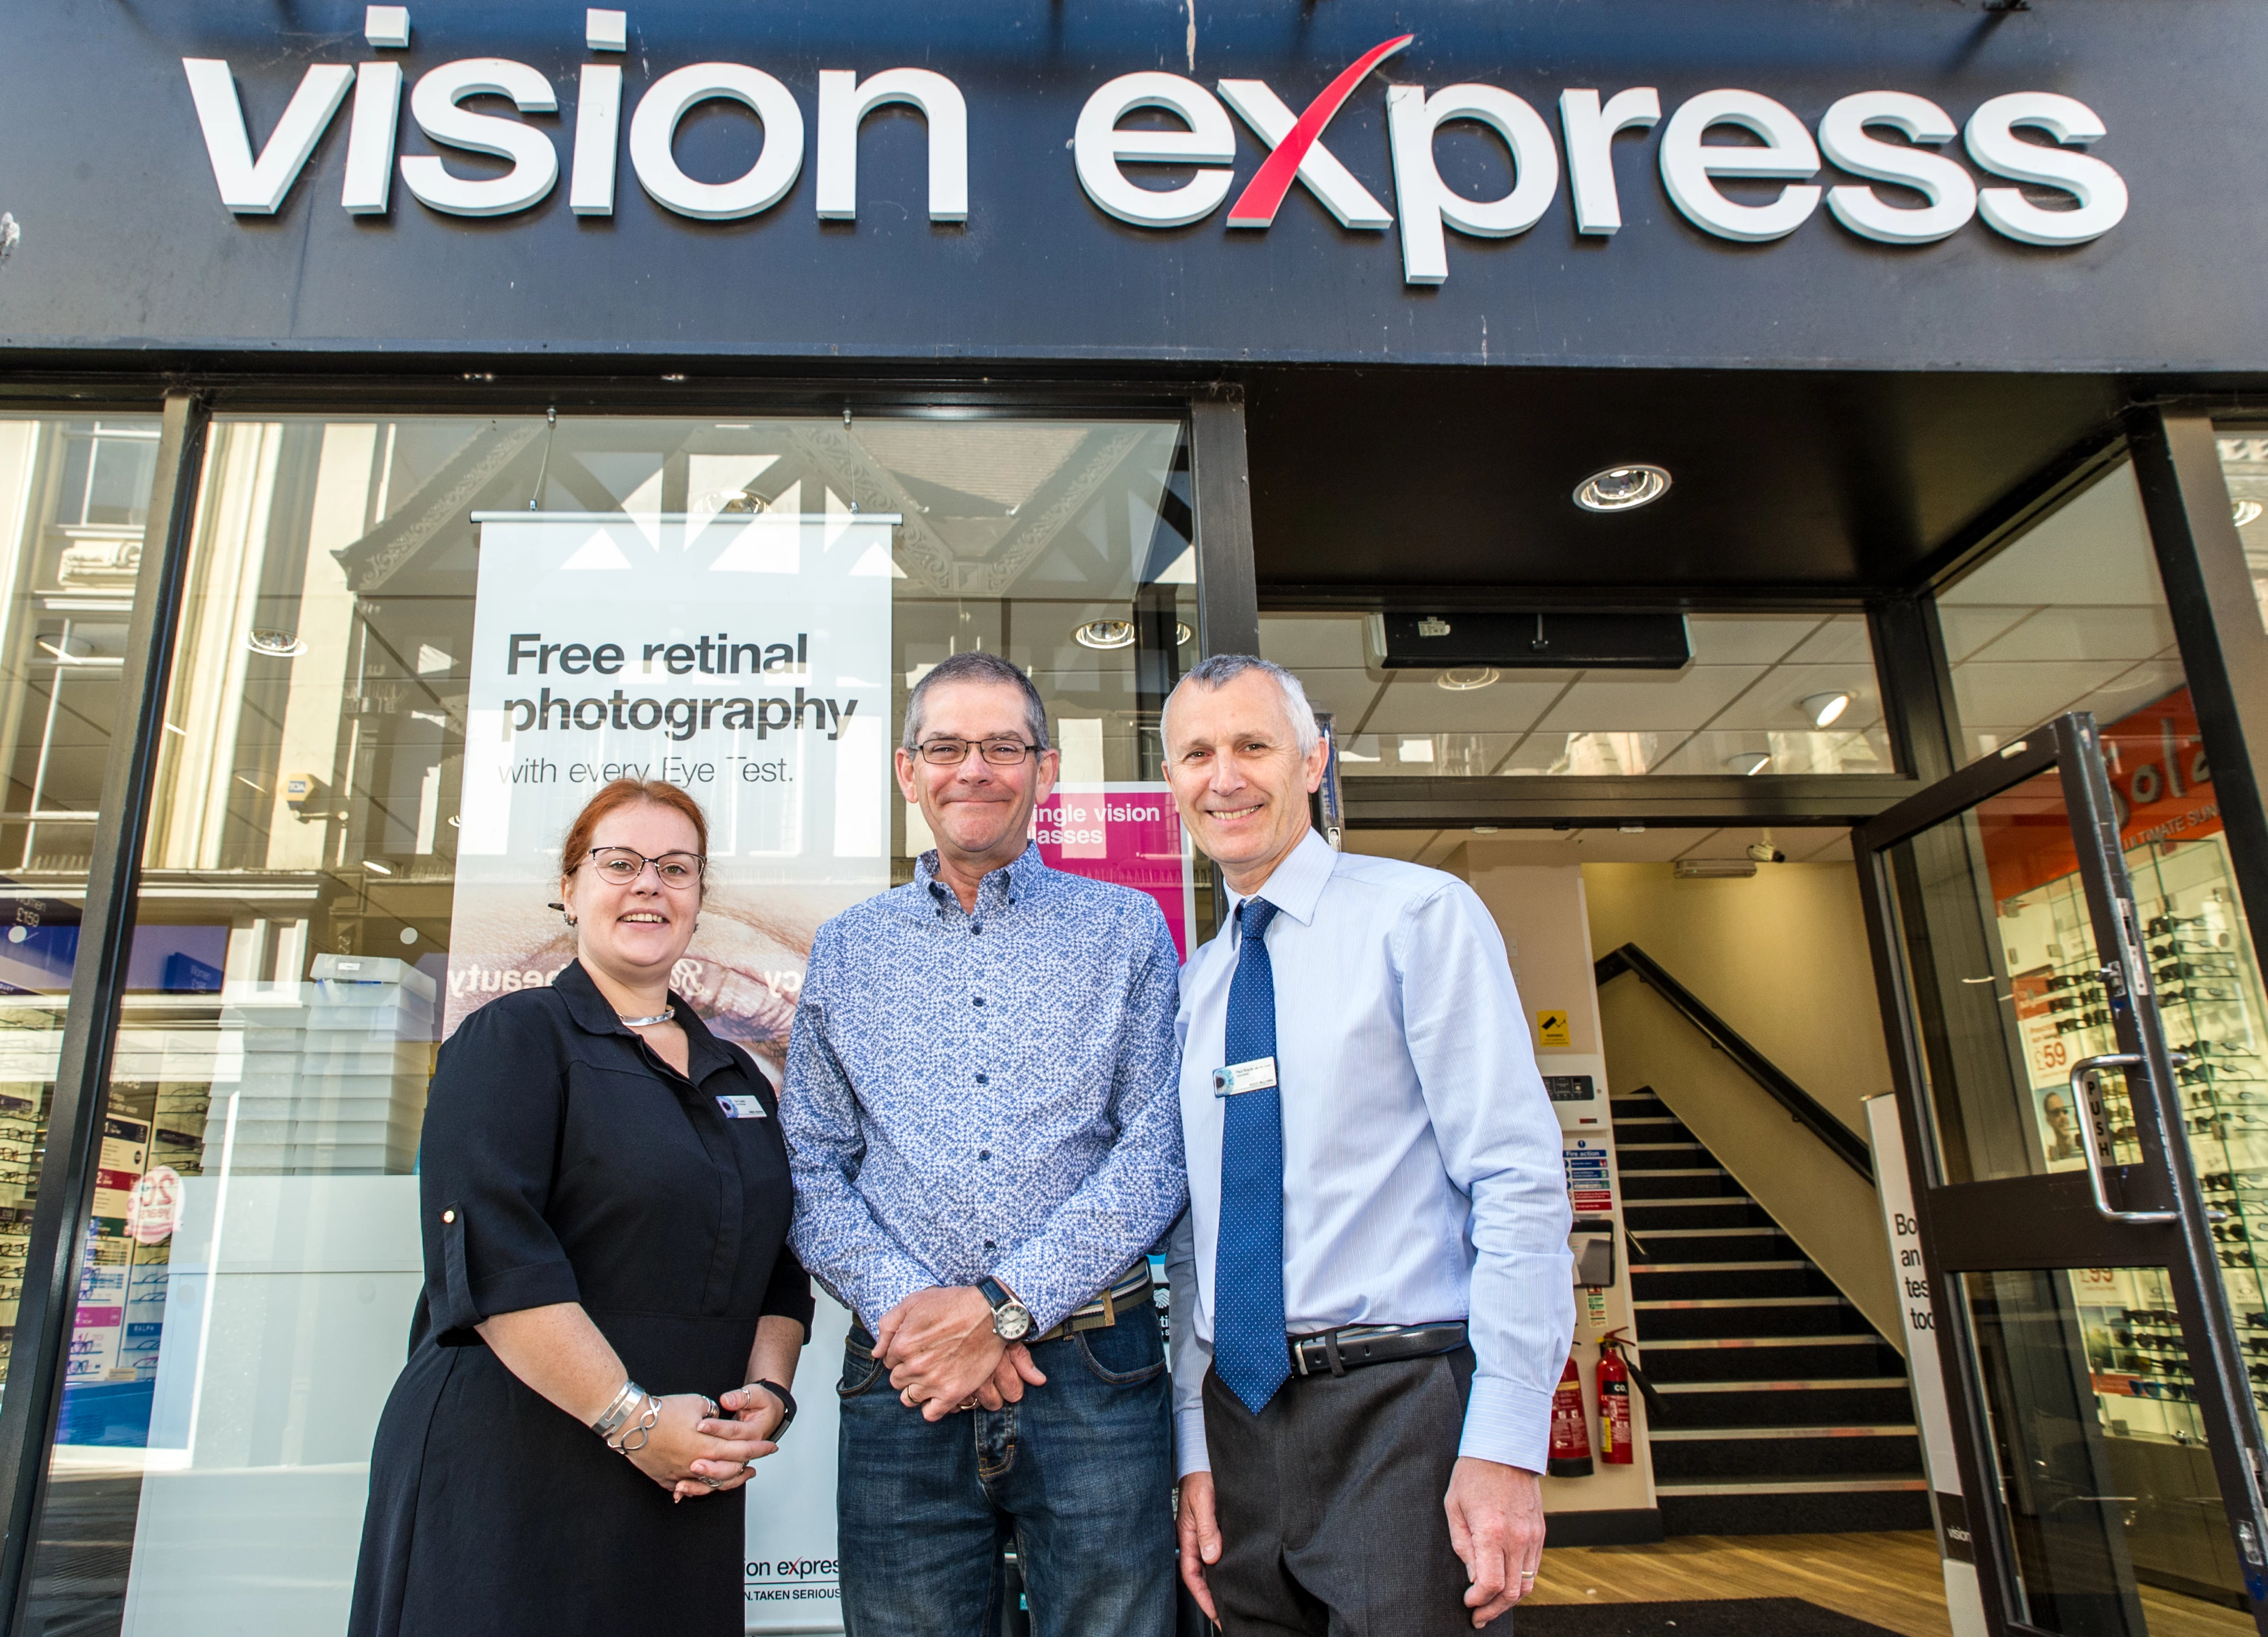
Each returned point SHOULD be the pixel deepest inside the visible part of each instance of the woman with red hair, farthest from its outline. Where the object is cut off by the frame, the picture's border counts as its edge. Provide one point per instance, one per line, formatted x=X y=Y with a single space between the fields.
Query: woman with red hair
x=611 y=1317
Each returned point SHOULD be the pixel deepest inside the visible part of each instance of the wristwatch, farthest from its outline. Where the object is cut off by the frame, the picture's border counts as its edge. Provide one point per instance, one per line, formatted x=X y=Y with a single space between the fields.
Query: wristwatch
x=1012 y=1320
x=787 y=1405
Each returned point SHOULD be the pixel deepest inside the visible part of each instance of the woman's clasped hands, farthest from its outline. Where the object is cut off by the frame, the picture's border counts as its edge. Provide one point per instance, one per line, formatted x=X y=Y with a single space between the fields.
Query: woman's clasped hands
x=696 y=1447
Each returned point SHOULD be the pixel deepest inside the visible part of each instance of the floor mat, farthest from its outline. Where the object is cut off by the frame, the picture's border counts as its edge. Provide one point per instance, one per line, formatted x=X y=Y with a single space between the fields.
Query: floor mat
x=1727 y=1617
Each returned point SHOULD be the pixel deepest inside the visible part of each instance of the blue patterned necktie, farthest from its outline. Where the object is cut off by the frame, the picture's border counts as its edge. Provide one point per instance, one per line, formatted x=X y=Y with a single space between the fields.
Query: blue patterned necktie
x=1249 y=1350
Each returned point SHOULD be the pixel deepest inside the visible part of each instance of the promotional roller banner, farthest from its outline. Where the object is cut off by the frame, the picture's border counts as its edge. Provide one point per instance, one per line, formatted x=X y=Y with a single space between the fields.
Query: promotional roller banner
x=746 y=658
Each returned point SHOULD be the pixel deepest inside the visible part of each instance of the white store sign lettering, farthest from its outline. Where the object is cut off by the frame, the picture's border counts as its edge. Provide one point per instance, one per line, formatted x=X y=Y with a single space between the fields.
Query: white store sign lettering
x=2046 y=156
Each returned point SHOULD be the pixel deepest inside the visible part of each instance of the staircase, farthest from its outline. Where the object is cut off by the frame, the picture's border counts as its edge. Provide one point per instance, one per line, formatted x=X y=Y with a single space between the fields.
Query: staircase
x=1783 y=1411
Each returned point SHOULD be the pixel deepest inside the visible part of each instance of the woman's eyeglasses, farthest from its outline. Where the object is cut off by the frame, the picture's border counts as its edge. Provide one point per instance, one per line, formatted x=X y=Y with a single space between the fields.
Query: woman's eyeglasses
x=621 y=865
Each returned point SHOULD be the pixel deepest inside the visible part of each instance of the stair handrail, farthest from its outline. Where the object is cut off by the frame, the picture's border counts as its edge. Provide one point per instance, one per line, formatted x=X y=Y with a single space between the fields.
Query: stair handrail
x=1844 y=1143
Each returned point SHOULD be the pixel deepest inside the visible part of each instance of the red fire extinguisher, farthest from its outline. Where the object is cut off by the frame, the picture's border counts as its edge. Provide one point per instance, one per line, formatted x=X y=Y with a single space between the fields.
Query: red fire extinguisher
x=1614 y=1401
x=1570 y=1428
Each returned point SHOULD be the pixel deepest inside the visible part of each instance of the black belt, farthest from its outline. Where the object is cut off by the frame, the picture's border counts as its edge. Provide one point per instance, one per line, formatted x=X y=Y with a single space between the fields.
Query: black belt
x=1351 y=1347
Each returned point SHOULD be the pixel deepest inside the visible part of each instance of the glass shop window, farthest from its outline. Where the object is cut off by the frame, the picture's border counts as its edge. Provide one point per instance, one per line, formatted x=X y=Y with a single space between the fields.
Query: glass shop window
x=1761 y=693
x=2070 y=616
x=409 y=649
x=2244 y=467
x=74 y=498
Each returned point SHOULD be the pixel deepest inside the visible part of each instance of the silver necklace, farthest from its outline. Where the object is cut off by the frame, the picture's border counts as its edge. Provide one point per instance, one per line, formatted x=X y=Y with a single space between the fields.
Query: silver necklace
x=661 y=1017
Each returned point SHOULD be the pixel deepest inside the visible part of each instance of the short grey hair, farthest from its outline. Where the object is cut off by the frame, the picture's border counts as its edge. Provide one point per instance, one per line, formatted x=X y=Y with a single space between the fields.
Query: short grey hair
x=1219 y=670
x=978 y=666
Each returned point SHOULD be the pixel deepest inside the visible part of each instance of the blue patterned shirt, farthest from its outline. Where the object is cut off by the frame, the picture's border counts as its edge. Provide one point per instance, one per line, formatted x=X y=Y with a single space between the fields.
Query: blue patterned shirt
x=994 y=1092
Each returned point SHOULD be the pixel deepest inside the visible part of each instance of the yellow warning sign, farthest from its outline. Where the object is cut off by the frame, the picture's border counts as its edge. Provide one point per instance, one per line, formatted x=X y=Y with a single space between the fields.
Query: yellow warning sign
x=1551 y=1029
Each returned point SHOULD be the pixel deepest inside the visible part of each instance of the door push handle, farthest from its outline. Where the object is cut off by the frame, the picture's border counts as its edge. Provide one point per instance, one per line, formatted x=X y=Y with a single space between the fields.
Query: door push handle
x=2083 y=1105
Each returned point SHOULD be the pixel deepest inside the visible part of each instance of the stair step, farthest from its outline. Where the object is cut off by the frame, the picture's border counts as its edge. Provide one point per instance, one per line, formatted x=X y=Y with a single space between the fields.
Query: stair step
x=1711 y=1434
x=1820 y=1384
x=1720 y=1267
x=1690 y=1199
x=1721 y=1454
x=1658 y=1148
x=1810 y=1320
x=1690 y=1407
x=1742 y=1302
x=1788 y=1486
x=1712 y=1233
x=1765 y=1341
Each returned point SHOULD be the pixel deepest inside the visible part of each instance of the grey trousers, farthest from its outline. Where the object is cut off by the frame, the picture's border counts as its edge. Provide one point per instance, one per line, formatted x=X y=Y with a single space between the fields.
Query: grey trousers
x=1331 y=1504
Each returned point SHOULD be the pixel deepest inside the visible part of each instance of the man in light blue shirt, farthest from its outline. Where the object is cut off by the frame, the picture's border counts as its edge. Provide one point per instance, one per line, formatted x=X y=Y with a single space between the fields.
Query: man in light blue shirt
x=980 y=1109
x=1373 y=1299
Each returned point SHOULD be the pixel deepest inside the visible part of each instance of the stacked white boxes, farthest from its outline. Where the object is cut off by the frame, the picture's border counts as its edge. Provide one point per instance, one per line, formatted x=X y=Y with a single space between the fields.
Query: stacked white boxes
x=335 y=1077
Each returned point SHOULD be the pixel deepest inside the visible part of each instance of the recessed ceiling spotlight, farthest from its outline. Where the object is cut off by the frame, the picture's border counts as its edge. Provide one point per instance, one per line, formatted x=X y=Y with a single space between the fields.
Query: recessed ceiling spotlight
x=1466 y=679
x=1485 y=829
x=1622 y=489
x=2246 y=512
x=376 y=869
x=1748 y=763
x=1825 y=709
x=1104 y=633
x=275 y=644
x=1182 y=634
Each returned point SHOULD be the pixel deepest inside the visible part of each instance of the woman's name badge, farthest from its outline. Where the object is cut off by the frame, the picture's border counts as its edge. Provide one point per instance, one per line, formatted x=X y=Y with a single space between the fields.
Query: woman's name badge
x=741 y=1107
x=1238 y=1078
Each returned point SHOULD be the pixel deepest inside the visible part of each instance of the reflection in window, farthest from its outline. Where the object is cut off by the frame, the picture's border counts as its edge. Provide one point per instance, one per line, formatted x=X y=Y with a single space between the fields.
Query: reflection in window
x=250 y=1272
x=1764 y=694
x=2069 y=616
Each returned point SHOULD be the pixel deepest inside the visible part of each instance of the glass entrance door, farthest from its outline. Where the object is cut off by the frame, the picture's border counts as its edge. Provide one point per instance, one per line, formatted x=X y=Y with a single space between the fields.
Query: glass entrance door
x=2093 y=1288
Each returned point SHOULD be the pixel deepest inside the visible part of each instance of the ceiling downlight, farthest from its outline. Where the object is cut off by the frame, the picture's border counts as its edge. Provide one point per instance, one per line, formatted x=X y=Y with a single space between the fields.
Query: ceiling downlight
x=1624 y=487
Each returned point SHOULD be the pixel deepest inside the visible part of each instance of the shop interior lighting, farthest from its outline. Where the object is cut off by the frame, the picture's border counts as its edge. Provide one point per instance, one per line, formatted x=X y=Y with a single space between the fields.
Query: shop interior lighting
x=1825 y=709
x=1485 y=829
x=1714 y=869
x=1466 y=679
x=64 y=654
x=376 y=869
x=275 y=644
x=1749 y=763
x=1181 y=635
x=1104 y=633
x=1623 y=489
x=2245 y=512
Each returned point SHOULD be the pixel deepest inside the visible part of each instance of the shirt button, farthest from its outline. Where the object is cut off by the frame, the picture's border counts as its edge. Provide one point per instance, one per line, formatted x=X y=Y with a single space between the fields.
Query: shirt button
x=448 y=1217
x=989 y=1246
x=981 y=1080
x=980 y=1000
x=984 y=1154
x=975 y=926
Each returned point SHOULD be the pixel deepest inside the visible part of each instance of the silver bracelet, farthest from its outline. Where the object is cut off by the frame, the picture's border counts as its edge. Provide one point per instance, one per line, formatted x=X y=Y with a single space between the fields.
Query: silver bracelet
x=642 y=1429
x=618 y=1410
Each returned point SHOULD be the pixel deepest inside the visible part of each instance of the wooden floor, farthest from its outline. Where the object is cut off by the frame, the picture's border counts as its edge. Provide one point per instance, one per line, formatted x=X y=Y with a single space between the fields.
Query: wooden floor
x=1892 y=1580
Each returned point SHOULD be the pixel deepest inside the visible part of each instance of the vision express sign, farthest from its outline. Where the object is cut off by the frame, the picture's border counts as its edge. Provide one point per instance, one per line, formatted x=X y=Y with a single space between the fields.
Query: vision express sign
x=1885 y=181
x=1870 y=136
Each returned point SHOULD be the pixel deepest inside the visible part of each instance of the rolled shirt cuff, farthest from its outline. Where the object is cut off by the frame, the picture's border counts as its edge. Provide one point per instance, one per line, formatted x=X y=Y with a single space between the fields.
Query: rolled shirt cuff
x=1190 y=1443
x=1507 y=1423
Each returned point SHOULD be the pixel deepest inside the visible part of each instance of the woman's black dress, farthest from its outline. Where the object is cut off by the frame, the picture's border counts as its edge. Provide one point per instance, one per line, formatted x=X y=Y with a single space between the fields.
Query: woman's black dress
x=564 y=1161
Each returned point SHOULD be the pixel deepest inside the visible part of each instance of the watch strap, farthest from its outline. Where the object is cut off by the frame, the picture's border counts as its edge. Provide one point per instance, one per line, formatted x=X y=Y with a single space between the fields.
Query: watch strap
x=787 y=1404
x=995 y=1293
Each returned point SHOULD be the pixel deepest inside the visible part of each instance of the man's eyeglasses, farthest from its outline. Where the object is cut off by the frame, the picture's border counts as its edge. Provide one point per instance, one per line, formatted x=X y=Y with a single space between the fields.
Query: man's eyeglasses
x=953 y=752
x=621 y=865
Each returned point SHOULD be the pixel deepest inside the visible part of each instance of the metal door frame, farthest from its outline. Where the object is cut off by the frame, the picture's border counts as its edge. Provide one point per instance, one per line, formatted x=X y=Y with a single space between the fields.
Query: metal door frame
x=2029 y=1238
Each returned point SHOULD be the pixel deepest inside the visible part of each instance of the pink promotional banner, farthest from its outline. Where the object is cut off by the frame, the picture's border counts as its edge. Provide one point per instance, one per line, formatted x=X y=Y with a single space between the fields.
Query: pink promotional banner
x=1129 y=833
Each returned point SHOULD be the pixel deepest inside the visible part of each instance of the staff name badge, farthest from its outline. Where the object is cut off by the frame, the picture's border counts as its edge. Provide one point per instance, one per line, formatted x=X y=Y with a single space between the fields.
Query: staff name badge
x=741 y=1107
x=1238 y=1078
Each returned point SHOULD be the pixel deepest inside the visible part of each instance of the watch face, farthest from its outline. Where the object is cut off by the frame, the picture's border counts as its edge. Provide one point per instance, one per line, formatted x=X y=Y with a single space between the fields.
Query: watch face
x=1011 y=1323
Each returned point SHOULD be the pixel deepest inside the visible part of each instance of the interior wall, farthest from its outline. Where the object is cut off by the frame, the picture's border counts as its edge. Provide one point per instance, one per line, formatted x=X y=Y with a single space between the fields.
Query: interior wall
x=1781 y=956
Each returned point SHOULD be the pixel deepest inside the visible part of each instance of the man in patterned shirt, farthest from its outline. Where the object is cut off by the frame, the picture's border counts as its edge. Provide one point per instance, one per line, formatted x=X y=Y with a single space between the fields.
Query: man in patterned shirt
x=982 y=1105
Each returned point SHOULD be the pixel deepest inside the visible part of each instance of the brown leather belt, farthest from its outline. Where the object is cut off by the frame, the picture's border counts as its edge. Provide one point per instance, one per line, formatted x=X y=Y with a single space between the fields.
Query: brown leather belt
x=1135 y=1289
x=1349 y=1347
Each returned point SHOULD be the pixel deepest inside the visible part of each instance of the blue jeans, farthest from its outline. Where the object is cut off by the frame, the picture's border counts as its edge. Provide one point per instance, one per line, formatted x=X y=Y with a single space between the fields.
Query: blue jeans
x=1080 y=1476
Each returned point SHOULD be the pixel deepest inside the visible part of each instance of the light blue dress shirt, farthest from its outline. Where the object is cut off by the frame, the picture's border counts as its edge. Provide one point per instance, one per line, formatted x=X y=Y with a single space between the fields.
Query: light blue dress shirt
x=1422 y=1169
x=985 y=1092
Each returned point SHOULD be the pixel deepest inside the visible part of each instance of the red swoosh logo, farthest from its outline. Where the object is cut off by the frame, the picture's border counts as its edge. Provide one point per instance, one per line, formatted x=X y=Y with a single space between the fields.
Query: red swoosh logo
x=1263 y=194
